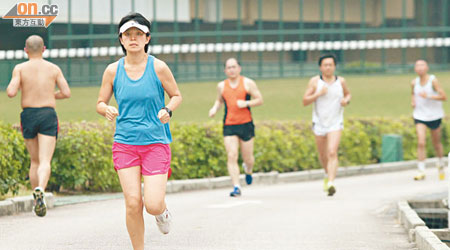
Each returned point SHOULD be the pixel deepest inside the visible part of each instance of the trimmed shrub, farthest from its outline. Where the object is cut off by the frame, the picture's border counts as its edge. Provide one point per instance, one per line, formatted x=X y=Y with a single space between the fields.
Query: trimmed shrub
x=14 y=160
x=83 y=157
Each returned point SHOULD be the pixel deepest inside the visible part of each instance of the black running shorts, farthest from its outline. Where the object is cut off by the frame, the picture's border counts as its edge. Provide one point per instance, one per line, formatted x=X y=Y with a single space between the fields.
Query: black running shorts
x=244 y=131
x=430 y=124
x=38 y=120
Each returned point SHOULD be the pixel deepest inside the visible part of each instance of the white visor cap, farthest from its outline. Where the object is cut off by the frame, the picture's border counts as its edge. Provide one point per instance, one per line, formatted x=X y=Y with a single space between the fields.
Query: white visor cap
x=131 y=24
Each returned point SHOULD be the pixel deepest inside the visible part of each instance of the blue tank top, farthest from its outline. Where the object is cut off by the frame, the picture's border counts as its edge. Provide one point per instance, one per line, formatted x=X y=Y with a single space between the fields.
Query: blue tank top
x=139 y=103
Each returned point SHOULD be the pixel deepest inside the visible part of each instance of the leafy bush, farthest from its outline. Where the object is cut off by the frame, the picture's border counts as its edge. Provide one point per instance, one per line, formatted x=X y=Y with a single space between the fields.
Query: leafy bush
x=14 y=160
x=83 y=158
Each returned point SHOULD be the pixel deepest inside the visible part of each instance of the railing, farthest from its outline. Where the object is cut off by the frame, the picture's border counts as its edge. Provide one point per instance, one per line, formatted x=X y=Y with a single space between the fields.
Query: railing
x=284 y=40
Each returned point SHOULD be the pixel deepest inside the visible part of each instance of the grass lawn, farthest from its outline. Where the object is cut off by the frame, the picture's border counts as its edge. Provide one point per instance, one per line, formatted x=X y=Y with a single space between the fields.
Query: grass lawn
x=373 y=95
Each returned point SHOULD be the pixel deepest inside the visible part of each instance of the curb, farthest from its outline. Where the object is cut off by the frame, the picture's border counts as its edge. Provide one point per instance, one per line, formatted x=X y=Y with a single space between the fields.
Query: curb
x=22 y=204
x=274 y=177
x=409 y=219
x=442 y=234
x=418 y=232
x=427 y=240
x=25 y=204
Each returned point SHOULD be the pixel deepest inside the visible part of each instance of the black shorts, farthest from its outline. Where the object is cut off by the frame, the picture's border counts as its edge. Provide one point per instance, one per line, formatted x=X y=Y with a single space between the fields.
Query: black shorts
x=244 y=131
x=430 y=124
x=38 y=120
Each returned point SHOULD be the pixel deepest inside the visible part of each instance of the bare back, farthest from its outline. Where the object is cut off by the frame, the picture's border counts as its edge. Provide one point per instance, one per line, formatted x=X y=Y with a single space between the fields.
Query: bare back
x=37 y=80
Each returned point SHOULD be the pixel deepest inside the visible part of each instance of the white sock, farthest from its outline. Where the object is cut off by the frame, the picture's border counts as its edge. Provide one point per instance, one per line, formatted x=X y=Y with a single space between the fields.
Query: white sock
x=330 y=183
x=441 y=162
x=421 y=166
x=237 y=186
x=325 y=175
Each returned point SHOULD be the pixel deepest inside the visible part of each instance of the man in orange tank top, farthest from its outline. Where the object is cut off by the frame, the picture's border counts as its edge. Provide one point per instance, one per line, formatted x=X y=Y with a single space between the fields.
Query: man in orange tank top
x=238 y=93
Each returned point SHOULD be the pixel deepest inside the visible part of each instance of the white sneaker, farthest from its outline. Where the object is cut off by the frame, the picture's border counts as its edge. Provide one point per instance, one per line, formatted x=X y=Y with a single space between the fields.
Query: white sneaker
x=441 y=173
x=164 y=221
x=419 y=176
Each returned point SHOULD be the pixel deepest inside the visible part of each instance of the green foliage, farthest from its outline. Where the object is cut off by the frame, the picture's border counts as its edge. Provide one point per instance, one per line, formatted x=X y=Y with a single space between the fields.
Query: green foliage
x=14 y=160
x=356 y=146
x=197 y=151
x=83 y=158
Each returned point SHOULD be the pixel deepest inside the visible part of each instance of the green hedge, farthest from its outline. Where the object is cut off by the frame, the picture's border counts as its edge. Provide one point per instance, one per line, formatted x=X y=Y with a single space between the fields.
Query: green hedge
x=82 y=158
x=14 y=160
x=83 y=161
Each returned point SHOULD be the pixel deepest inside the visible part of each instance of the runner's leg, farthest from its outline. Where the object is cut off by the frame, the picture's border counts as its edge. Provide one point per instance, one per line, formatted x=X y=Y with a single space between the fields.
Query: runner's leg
x=130 y=180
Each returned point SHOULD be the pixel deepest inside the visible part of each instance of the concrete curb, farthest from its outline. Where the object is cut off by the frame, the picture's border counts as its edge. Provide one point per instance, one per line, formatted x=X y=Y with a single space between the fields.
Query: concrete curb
x=177 y=186
x=427 y=240
x=442 y=234
x=22 y=204
x=274 y=177
x=418 y=232
x=409 y=219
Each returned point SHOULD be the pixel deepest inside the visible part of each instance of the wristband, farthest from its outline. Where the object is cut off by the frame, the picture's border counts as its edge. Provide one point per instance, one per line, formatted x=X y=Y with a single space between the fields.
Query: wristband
x=168 y=111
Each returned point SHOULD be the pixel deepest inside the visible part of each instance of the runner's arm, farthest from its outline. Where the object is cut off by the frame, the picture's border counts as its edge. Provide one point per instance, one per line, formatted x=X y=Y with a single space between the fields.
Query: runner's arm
x=106 y=91
x=63 y=86
x=256 y=95
x=170 y=85
x=219 y=101
x=310 y=95
x=413 y=97
x=14 y=84
x=347 y=95
x=441 y=96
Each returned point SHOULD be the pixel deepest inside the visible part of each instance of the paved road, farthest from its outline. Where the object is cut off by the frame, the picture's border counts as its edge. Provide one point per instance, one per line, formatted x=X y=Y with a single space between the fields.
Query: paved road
x=284 y=216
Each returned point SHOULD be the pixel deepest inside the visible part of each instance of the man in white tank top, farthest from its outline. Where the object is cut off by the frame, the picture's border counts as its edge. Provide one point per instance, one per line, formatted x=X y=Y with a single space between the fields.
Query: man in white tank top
x=330 y=95
x=426 y=99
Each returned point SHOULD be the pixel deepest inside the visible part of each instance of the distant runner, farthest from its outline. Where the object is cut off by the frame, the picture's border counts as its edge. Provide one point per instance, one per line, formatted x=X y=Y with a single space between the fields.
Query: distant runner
x=330 y=95
x=426 y=99
x=238 y=130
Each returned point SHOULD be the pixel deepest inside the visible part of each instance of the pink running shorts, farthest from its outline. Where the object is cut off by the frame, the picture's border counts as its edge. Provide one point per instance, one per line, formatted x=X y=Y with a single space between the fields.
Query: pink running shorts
x=154 y=159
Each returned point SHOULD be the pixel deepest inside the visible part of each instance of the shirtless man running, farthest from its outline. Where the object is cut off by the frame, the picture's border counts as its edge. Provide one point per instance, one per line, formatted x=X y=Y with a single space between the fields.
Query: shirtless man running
x=36 y=78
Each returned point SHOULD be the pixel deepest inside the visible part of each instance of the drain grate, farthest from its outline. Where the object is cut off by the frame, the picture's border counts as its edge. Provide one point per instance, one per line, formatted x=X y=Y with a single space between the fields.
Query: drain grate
x=434 y=218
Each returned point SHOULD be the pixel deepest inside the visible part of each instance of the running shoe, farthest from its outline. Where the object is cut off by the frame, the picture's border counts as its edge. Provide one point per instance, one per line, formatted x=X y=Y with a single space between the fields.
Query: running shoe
x=248 y=177
x=325 y=184
x=419 y=177
x=164 y=221
x=331 y=190
x=236 y=192
x=40 y=208
x=441 y=173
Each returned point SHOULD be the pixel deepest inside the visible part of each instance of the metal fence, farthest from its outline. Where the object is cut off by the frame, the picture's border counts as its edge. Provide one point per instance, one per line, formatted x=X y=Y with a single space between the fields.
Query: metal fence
x=271 y=38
